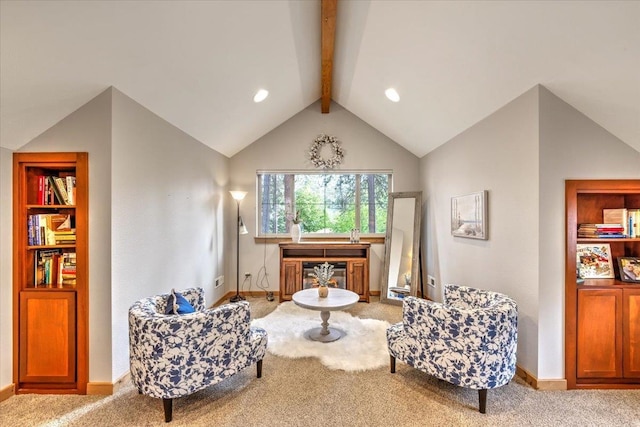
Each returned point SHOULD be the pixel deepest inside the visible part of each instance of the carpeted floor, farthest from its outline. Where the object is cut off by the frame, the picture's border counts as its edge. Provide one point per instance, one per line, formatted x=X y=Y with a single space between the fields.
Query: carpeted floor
x=303 y=392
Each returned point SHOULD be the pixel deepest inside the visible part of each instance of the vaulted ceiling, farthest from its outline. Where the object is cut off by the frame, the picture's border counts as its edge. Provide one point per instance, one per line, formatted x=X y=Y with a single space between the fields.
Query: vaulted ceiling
x=198 y=64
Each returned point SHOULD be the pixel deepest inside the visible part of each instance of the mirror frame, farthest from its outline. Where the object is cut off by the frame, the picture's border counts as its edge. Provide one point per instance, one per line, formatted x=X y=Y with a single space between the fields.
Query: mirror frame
x=415 y=259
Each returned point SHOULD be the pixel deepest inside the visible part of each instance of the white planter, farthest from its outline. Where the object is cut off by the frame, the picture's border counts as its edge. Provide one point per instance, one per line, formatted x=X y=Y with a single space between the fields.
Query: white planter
x=296 y=232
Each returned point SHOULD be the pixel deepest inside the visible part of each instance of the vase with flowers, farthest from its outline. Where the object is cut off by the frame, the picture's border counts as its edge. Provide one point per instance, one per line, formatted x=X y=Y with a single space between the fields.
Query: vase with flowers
x=323 y=273
x=296 y=227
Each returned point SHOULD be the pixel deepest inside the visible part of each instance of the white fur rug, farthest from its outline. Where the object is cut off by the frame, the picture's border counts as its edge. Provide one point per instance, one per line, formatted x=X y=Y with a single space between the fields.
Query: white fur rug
x=364 y=346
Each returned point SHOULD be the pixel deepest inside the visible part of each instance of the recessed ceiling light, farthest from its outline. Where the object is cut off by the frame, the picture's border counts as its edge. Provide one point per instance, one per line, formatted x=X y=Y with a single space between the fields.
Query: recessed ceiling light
x=261 y=95
x=392 y=94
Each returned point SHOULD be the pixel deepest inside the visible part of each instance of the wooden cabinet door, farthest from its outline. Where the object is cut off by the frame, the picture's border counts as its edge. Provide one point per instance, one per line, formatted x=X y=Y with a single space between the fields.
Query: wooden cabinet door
x=47 y=337
x=358 y=279
x=290 y=279
x=631 y=333
x=599 y=335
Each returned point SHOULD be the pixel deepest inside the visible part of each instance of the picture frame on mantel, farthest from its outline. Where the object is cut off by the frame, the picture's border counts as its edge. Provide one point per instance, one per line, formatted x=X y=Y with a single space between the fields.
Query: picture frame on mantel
x=469 y=215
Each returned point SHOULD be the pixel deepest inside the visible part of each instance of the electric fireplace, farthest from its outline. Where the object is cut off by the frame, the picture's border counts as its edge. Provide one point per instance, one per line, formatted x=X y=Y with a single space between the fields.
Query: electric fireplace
x=338 y=280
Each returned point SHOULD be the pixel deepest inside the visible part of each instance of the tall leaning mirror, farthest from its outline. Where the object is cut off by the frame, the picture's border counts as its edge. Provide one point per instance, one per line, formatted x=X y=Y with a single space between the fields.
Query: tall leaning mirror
x=401 y=275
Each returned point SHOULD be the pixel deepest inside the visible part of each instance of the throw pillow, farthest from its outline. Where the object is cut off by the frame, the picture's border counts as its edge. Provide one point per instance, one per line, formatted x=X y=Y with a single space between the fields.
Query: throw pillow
x=178 y=304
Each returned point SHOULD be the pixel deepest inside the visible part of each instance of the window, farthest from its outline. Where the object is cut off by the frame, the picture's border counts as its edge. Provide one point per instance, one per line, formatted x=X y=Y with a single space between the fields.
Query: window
x=329 y=203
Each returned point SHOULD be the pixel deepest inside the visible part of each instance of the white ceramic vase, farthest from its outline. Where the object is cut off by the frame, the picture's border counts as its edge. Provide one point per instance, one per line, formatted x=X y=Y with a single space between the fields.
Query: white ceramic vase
x=296 y=233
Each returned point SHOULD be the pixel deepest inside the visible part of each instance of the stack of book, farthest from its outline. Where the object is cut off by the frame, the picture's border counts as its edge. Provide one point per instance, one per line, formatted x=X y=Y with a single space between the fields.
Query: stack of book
x=65 y=237
x=68 y=269
x=601 y=231
x=50 y=229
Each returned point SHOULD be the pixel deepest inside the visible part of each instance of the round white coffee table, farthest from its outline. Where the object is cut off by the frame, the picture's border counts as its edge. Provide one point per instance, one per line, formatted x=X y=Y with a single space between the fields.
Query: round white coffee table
x=338 y=299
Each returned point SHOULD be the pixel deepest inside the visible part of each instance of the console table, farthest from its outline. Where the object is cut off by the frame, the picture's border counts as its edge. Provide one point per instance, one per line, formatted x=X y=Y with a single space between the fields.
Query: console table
x=354 y=256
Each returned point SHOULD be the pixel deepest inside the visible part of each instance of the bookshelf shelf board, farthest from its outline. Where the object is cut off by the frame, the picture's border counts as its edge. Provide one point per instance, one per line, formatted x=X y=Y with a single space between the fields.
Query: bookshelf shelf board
x=53 y=207
x=31 y=248
x=605 y=240
x=594 y=283
x=52 y=288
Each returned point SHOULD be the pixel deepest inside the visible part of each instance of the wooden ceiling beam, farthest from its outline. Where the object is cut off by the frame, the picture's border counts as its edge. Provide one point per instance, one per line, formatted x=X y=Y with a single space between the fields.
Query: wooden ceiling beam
x=328 y=40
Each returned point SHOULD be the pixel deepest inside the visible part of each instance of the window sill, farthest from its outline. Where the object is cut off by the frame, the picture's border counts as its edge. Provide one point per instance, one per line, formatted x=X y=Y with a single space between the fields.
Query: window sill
x=281 y=239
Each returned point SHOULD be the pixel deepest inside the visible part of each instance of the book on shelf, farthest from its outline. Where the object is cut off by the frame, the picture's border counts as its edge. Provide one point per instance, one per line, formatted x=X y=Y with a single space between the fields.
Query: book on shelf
x=71 y=188
x=40 y=200
x=601 y=231
x=634 y=222
x=61 y=185
x=56 y=196
x=617 y=216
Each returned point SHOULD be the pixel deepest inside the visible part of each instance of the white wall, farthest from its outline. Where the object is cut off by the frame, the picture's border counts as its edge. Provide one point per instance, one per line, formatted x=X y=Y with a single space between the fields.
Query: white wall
x=286 y=148
x=572 y=146
x=6 y=276
x=500 y=155
x=167 y=214
x=89 y=129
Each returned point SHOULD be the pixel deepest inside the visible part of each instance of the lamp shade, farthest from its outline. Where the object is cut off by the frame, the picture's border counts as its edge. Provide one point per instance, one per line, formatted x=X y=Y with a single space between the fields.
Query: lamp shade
x=238 y=195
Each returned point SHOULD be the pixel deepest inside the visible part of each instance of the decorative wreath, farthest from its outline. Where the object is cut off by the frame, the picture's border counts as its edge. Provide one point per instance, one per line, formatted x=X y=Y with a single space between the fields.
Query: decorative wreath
x=316 y=148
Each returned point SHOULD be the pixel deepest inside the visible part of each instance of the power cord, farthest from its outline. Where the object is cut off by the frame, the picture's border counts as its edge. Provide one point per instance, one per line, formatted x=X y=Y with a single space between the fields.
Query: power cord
x=260 y=281
x=247 y=277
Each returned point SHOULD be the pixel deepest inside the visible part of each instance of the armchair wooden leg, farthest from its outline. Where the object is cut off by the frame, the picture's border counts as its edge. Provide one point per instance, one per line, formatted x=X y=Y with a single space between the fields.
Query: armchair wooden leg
x=392 y=360
x=168 y=409
x=482 y=395
x=259 y=368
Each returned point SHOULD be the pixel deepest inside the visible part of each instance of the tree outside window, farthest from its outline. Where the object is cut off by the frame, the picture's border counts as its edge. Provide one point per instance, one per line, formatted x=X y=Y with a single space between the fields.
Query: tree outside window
x=329 y=203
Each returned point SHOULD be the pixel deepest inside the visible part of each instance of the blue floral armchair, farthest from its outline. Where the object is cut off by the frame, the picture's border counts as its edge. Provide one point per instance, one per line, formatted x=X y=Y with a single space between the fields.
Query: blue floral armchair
x=176 y=355
x=469 y=340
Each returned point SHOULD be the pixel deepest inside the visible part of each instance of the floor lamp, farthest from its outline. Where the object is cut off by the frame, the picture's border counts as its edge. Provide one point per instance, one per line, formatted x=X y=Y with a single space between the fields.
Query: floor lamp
x=240 y=229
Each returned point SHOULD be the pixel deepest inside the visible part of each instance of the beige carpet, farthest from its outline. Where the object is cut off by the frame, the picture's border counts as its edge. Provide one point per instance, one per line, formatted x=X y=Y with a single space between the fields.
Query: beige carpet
x=302 y=392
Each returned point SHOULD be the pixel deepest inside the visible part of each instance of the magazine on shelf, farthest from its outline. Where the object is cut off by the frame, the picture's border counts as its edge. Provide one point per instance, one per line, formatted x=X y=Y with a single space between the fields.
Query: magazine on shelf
x=594 y=261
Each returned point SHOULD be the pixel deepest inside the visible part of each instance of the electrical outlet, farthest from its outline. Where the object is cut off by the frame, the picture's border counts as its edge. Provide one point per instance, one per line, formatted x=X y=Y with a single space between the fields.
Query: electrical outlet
x=247 y=274
x=432 y=281
x=219 y=281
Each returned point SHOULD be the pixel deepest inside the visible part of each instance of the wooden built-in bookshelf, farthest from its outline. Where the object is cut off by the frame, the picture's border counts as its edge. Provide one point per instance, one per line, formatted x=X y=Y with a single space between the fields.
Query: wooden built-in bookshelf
x=602 y=315
x=50 y=272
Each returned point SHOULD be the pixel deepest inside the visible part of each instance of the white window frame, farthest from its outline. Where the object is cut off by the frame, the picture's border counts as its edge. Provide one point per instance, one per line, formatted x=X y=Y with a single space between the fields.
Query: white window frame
x=260 y=234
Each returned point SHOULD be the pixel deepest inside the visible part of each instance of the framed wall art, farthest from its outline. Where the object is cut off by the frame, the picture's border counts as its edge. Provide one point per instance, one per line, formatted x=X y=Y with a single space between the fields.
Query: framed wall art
x=594 y=261
x=469 y=216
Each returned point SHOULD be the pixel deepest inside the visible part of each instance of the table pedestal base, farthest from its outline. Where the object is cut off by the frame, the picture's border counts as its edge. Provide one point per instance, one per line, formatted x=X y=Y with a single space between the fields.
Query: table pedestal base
x=325 y=333
x=318 y=334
